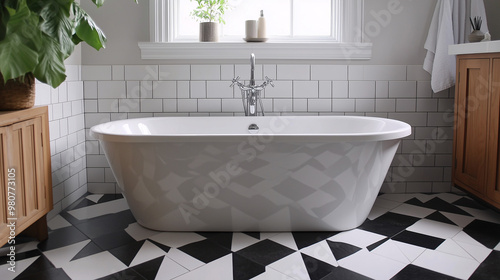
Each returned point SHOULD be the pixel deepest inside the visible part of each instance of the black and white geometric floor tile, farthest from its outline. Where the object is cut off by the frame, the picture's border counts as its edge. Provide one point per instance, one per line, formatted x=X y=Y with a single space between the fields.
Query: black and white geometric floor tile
x=437 y=236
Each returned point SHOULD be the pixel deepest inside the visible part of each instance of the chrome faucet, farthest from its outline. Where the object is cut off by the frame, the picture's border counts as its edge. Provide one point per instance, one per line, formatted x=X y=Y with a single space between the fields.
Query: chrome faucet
x=251 y=93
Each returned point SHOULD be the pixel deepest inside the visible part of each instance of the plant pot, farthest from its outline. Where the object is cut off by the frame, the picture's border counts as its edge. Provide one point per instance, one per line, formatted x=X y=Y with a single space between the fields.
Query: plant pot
x=17 y=94
x=476 y=36
x=209 y=32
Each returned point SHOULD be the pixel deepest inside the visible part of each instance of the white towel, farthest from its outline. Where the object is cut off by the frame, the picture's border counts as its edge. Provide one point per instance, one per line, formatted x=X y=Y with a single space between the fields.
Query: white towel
x=450 y=25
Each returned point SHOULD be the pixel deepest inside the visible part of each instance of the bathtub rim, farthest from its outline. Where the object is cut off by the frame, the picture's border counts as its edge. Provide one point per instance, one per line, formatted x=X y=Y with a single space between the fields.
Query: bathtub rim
x=97 y=133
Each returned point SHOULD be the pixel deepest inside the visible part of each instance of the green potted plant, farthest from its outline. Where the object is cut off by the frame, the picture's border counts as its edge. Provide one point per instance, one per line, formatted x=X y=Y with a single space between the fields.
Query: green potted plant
x=210 y=13
x=35 y=38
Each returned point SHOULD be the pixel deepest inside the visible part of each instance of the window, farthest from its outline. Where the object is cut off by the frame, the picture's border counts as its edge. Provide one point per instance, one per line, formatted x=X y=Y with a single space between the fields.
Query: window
x=298 y=20
x=298 y=29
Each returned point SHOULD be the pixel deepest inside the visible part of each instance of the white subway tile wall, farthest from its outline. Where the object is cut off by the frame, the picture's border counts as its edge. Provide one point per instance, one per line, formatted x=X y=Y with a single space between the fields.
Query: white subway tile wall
x=402 y=92
x=67 y=131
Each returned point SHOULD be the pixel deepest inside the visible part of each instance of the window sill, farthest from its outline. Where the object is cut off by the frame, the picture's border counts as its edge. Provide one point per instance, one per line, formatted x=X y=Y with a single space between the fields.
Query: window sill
x=272 y=50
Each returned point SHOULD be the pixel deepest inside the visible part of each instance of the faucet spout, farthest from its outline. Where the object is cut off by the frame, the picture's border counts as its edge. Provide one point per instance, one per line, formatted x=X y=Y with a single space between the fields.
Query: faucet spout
x=252 y=69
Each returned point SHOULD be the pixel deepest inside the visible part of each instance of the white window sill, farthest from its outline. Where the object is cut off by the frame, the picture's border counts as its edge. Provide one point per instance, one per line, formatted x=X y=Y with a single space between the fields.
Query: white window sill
x=269 y=50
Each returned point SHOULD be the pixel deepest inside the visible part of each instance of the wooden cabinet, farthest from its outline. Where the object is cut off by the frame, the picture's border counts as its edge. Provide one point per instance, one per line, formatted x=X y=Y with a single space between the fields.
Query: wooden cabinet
x=25 y=173
x=476 y=153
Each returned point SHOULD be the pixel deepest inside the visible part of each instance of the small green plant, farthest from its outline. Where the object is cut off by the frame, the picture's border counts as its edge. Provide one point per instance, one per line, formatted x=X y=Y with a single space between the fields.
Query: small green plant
x=476 y=23
x=210 y=10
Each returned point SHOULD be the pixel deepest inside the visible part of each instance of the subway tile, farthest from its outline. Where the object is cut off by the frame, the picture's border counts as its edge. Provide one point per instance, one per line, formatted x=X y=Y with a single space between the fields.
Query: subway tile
x=299 y=105
x=187 y=105
x=118 y=72
x=402 y=89
x=427 y=105
x=446 y=105
x=329 y=72
x=76 y=123
x=63 y=126
x=385 y=105
x=141 y=72
x=67 y=109
x=293 y=72
x=73 y=73
x=102 y=188
x=319 y=105
x=63 y=92
x=57 y=111
x=270 y=71
x=71 y=185
x=377 y=72
x=170 y=105
x=227 y=72
x=61 y=144
x=139 y=115
x=232 y=105
x=417 y=73
x=198 y=89
x=438 y=119
x=205 y=72
x=325 y=89
x=340 y=89
x=282 y=89
x=243 y=71
x=129 y=105
x=151 y=106
x=365 y=105
x=182 y=89
x=419 y=187
x=175 y=72
x=133 y=89
x=406 y=105
x=77 y=107
x=361 y=89
x=92 y=119
x=54 y=130
x=107 y=105
x=283 y=105
x=91 y=106
x=75 y=90
x=54 y=95
x=164 y=89
x=96 y=72
x=424 y=89
x=209 y=105
x=305 y=89
x=382 y=89
x=343 y=105
x=146 y=89
x=219 y=89
x=111 y=89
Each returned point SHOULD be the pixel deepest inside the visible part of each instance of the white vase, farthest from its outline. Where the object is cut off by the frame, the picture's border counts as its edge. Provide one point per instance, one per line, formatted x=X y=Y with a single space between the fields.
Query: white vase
x=209 y=32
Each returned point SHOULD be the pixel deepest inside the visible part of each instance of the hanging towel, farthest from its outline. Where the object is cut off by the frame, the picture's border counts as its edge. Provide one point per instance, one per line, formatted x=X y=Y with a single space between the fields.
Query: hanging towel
x=450 y=25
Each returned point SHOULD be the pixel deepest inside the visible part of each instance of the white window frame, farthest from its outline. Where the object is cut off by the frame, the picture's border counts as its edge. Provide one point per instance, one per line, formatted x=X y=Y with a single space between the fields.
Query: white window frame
x=161 y=46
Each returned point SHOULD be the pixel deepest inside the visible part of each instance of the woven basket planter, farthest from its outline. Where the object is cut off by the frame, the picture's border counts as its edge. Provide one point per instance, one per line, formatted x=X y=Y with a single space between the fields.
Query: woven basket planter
x=17 y=94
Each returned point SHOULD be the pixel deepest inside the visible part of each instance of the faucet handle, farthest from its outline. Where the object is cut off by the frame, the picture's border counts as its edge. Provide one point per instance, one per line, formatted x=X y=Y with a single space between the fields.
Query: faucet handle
x=269 y=81
x=235 y=81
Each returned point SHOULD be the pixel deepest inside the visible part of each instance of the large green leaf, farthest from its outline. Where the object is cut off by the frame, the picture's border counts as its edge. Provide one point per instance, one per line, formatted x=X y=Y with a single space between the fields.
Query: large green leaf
x=86 y=29
x=56 y=21
x=50 y=68
x=18 y=51
x=4 y=19
x=16 y=59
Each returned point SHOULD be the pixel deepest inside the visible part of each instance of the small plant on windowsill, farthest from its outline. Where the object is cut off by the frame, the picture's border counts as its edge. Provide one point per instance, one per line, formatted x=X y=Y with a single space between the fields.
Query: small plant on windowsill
x=476 y=34
x=210 y=13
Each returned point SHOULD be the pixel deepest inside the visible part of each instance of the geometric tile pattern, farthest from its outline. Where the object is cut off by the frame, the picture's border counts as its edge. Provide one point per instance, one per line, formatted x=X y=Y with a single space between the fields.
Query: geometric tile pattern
x=457 y=238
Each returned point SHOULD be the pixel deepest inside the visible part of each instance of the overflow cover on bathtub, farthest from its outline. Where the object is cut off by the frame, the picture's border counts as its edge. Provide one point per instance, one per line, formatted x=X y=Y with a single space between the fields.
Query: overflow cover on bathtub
x=253 y=128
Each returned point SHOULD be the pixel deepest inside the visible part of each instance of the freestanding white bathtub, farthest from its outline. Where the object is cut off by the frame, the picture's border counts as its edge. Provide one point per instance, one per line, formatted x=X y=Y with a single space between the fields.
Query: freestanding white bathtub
x=251 y=173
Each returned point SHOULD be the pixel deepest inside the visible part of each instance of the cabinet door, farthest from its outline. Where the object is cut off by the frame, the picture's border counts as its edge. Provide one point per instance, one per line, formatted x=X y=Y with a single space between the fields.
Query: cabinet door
x=471 y=120
x=493 y=187
x=27 y=158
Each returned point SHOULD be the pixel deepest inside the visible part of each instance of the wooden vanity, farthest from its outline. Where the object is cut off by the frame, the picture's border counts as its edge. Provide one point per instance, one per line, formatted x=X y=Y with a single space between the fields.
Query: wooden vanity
x=476 y=143
x=25 y=173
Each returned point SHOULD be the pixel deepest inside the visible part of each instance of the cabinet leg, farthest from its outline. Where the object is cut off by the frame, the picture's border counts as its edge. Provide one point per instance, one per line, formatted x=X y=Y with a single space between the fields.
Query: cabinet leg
x=38 y=229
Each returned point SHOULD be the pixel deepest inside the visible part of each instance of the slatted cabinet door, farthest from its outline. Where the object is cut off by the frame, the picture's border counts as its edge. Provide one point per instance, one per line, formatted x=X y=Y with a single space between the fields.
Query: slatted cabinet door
x=27 y=156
